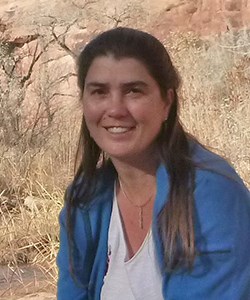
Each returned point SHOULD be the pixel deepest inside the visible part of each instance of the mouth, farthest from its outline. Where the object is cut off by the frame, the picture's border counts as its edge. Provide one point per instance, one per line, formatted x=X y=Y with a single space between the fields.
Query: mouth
x=118 y=129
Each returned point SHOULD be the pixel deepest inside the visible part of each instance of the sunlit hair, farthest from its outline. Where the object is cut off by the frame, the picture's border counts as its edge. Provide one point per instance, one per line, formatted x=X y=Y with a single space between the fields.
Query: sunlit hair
x=175 y=222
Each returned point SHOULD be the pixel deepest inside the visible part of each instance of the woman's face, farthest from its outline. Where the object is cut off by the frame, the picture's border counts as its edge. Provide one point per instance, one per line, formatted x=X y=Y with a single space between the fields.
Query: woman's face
x=123 y=107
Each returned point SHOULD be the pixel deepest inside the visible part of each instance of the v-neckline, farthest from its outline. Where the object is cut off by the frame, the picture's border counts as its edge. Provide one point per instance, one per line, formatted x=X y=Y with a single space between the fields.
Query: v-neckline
x=145 y=241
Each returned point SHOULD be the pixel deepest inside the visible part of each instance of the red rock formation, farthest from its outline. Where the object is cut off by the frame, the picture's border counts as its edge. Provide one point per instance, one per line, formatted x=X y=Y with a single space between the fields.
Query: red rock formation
x=45 y=37
x=204 y=16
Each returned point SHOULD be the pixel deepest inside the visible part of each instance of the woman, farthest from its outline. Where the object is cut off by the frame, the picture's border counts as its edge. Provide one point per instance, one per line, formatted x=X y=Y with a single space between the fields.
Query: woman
x=151 y=214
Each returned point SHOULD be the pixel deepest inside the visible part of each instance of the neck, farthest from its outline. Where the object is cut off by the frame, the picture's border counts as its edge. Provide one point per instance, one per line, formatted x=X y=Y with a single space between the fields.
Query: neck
x=131 y=170
x=138 y=180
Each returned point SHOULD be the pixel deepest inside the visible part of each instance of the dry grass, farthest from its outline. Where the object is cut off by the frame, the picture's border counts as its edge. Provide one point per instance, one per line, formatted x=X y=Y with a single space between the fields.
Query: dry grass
x=216 y=88
x=215 y=104
x=29 y=235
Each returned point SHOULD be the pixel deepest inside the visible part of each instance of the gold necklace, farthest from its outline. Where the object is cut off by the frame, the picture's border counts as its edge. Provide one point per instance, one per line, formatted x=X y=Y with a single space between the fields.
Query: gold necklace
x=136 y=205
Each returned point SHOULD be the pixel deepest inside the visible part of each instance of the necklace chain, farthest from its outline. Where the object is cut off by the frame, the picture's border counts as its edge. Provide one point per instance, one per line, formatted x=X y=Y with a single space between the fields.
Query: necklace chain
x=141 y=219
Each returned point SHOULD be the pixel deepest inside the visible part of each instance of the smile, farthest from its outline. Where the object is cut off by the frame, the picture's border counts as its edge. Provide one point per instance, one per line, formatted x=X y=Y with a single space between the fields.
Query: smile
x=118 y=129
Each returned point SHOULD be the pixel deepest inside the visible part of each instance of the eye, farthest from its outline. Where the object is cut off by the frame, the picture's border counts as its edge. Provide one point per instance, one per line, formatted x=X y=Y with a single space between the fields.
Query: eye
x=134 y=91
x=98 y=92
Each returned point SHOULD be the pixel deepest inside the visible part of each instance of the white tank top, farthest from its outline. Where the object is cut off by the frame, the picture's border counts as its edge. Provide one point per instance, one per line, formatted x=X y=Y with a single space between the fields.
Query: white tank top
x=138 y=278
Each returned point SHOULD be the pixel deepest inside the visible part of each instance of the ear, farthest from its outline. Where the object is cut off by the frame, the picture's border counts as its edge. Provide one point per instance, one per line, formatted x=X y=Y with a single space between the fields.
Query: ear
x=169 y=99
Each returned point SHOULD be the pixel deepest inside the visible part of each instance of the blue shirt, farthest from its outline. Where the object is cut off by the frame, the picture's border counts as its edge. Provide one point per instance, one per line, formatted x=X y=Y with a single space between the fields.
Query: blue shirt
x=222 y=234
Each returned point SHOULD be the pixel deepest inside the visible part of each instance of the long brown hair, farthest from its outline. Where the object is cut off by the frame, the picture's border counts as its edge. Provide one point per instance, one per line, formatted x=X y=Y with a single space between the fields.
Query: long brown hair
x=176 y=223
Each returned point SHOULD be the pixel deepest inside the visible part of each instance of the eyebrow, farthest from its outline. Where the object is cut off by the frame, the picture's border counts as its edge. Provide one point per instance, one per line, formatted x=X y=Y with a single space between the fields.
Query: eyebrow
x=94 y=84
x=135 y=83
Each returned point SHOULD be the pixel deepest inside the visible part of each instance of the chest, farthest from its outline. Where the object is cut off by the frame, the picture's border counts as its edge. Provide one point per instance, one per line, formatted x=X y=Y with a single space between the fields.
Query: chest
x=136 y=222
x=123 y=279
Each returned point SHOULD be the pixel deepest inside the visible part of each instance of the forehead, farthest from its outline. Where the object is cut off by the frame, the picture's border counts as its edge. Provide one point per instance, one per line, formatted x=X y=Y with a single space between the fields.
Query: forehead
x=111 y=68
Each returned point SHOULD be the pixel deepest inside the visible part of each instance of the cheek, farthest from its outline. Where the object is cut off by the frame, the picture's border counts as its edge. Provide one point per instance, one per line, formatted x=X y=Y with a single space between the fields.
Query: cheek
x=92 y=113
x=161 y=112
x=150 y=114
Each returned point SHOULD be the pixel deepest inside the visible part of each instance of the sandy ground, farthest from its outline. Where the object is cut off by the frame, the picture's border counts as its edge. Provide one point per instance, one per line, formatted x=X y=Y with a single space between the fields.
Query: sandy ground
x=25 y=283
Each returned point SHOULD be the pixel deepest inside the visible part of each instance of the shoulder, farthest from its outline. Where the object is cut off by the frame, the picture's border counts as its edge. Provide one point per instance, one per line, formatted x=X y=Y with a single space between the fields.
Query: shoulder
x=222 y=202
x=97 y=186
x=95 y=212
x=216 y=176
x=208 y=163
x=216 y=179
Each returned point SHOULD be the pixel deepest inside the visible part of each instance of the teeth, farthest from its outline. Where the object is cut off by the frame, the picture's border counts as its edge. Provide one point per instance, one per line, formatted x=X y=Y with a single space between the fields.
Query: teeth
x=118 y=129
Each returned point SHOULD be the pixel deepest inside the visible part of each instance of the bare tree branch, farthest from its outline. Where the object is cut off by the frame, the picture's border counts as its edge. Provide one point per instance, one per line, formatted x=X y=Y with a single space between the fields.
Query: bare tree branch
x=35 y=58
x=82 y=6
x=37 y=119
x=61 y=94
x=118 y=18
x=62 y=78
x=60 y=39
x=45 y=62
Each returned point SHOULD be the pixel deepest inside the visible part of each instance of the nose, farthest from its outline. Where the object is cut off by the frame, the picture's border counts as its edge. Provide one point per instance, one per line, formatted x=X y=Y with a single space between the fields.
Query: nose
x=117 y=107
